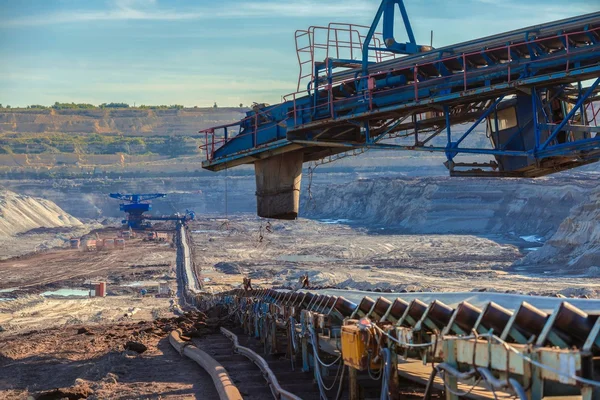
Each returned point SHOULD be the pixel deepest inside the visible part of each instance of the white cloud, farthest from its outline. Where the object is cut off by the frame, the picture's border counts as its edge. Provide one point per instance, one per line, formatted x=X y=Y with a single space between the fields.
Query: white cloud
x=307 y=8
x=124 y=10
x=118 y=10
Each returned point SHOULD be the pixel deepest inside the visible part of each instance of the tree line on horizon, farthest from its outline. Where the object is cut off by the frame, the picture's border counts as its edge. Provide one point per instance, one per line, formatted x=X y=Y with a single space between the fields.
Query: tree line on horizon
x=86 y=106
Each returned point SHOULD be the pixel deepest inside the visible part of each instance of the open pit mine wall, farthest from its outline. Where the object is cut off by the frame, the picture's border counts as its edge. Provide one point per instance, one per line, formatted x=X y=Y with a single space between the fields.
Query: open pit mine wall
x=565 y=212
x=412 y=205
x=452 y=205
x=88 y=198
x=576 y=243
x=19 y=213
x=124 y=121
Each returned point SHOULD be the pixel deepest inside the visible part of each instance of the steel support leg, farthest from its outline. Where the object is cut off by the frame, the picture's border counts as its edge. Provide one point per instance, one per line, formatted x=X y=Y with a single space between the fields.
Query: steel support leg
x=533 y=379
x=534 y=114
x=451 y=381
x=273 y=339
x=587 y=393
x=305 y=362
x=449 y=153
x=394 y=383
x=582 y=108
x=353 y=382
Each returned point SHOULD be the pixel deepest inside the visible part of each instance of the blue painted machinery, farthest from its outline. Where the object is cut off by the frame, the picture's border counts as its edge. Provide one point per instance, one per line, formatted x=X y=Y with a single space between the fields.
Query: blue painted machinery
x=137 y=204
x=533 y=91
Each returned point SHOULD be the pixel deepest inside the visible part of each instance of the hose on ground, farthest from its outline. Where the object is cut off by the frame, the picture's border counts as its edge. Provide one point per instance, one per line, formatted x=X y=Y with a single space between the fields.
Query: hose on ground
x=276 y=389
x=223 y=383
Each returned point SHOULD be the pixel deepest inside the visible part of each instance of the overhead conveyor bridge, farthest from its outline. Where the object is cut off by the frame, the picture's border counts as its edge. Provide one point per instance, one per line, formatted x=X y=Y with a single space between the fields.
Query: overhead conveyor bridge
x=533 y=91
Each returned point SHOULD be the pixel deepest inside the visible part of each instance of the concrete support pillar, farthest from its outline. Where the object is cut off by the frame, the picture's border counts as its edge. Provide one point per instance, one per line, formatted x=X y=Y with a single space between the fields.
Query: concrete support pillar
x=278 y=185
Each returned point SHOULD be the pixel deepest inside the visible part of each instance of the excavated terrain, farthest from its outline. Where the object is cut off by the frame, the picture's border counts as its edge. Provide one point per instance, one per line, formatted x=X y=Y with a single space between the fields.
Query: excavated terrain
x=19 y=213
x=58 y=342
x=454 y=205
x=404 y=234
x=117 y=121
x=575 y=246
x=338 y=254
x=51 y=288
x=559 y=213
x=31 y=224
x=555 y=212
x=125 y=360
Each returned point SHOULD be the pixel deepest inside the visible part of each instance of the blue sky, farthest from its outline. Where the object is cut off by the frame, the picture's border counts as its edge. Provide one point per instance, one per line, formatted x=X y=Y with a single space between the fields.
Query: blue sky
x=197 y=52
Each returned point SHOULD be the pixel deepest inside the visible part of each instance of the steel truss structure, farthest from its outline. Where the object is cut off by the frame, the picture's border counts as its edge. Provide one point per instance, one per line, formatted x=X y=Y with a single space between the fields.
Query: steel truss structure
x=390 y=91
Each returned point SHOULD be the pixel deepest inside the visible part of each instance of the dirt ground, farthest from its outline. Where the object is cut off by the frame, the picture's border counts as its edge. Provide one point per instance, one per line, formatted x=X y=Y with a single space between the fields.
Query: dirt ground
x=53 y=335
x=40 y=240
x=51 y=288
x=63 y=264
x=38 y=312
x=343 y=256
x=43 y=346
x=93 y=362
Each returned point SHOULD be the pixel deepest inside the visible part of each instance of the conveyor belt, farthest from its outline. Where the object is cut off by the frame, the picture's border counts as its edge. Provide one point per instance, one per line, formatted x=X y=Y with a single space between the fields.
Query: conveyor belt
x=417 y=99
x=573 y=24
x=554 y=341
x=478 y=299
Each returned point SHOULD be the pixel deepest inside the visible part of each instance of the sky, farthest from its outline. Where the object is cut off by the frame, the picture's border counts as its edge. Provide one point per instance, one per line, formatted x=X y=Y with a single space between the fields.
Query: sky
x=197 y=52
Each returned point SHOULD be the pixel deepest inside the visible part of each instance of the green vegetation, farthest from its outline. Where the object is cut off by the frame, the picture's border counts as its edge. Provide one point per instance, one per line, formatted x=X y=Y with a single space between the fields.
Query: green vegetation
x=172 y=146
x=163 y=107
x=114 y=105
x=86 y=106
x=79 y=106
x=71 y=106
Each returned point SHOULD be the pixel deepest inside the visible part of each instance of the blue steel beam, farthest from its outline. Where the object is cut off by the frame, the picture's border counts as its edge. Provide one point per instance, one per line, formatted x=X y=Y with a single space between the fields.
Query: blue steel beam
x=548 y=29
x=237 y=152
x=389 y=146
x=468 y=95
x=478 y=121
x=388 y=129
x=386 y=10
x=576 y=147
x=571 y=113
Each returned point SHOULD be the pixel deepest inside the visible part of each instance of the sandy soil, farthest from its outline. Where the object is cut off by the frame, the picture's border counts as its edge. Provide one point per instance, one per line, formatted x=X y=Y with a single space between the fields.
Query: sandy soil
x=348 y=257
x=20 y=213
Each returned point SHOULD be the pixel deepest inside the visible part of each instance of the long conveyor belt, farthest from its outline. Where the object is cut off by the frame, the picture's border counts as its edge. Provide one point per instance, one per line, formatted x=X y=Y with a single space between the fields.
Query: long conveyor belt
x=547 y=346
